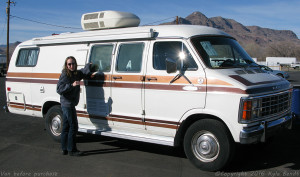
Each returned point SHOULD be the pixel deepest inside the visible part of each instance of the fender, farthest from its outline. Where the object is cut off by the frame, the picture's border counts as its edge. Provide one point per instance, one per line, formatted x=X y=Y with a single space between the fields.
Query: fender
x=198 y=113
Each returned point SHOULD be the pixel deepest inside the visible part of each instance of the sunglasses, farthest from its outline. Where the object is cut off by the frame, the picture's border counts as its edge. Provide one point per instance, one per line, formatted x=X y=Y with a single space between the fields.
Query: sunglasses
x=69 y=64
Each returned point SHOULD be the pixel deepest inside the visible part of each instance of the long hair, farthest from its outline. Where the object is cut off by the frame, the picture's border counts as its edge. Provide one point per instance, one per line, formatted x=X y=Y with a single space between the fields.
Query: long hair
x=65 y=68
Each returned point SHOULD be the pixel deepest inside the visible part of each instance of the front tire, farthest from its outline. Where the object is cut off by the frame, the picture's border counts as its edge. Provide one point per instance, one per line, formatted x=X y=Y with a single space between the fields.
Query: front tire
x=54 y=122
x=208 y=145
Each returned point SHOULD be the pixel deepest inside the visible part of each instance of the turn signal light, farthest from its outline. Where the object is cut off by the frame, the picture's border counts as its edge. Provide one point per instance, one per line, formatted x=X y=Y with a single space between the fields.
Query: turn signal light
x=247 y=110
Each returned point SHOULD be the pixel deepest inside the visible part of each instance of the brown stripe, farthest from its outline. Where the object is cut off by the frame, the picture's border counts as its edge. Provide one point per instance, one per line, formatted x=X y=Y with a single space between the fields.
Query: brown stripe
x=128 y=121
x=172 y=87
x=124 y=117
x=16 y=106
x=225 y=89
x=34 y=75
x=161 y=125
x=127 y=85
x=21 y=104
x=161 y=121
x=32 y=81
x=248 y=83
x=132 y=120
x=168 y=79
x=132 y=85
x=128 y=78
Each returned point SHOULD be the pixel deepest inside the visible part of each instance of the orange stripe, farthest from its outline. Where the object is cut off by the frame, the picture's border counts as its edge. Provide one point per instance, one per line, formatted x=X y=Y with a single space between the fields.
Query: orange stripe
x=167 y=79
x=129 y=78
x=34 y=75
x=214 y=81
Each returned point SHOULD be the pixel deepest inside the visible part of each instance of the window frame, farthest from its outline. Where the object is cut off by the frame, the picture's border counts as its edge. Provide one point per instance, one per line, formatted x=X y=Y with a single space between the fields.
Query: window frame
x=118 y=53
x=111 y=56
x=26 y=65
x=186 y=46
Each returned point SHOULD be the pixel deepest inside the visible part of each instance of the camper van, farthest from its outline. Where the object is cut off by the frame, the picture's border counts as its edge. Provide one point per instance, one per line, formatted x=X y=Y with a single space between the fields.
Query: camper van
x=174 y=85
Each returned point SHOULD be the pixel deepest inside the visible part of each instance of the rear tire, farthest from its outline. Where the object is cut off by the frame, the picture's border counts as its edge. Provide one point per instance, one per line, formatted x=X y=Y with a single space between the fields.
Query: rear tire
x=54 y=122
x=208 y=145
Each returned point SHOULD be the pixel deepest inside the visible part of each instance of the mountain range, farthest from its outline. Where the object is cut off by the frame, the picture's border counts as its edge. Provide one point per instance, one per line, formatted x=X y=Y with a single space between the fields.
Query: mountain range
x=244 y=34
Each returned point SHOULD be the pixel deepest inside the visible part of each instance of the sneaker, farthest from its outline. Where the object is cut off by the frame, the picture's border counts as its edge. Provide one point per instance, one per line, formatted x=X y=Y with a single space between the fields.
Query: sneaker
x=75 y=153
x=64 y=152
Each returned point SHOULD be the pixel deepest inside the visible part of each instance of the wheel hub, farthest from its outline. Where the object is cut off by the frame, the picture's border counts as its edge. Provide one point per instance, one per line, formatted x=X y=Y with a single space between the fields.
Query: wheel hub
x=205 y=146
x=56 y=125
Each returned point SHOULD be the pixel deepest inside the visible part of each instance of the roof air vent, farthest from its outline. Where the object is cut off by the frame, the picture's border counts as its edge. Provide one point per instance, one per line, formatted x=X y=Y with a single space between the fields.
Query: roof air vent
x=108 y=19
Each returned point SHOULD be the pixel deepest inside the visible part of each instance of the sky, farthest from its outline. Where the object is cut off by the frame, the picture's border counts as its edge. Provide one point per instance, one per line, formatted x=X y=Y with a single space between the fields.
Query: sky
x=274 y=14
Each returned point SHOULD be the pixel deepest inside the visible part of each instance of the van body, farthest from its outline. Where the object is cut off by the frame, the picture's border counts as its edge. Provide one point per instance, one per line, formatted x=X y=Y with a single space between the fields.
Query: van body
x=172 y=85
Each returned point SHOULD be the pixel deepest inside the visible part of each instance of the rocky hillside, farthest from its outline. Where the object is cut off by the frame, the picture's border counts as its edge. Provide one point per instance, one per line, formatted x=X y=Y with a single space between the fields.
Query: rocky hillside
x=244 y=34
x=12 y=47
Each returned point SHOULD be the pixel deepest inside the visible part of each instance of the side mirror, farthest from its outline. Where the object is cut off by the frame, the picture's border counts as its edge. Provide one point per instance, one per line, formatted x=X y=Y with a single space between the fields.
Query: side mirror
x=171 y=65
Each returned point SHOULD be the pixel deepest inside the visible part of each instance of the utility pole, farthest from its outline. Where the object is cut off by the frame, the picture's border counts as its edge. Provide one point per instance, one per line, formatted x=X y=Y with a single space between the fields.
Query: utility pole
x=7 y=42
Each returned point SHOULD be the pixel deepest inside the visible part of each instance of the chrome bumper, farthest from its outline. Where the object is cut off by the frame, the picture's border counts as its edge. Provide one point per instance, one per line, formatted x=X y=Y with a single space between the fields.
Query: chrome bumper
x=260 y=133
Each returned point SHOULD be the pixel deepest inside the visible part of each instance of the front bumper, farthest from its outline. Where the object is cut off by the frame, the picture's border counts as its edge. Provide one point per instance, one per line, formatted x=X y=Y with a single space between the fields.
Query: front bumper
x=265 y=129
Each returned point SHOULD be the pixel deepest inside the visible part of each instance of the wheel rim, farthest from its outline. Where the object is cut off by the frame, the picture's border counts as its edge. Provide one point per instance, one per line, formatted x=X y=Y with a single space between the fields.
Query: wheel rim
x=205 y=146
x=56 y=125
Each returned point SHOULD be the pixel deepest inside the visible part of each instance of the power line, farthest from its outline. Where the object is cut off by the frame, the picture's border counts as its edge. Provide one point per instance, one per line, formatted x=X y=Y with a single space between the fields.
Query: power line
x=159 y=21
x=34 y=21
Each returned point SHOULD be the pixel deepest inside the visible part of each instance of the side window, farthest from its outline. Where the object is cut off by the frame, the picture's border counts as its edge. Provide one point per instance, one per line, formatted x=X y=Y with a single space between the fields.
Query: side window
x=27 y=57
x=101 y=58
x=173 y=50
x=130 y=57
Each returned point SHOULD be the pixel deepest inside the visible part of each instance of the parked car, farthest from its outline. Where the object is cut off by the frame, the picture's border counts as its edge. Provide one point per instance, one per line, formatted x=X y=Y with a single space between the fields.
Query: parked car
x=295 y=65
x=282 y=74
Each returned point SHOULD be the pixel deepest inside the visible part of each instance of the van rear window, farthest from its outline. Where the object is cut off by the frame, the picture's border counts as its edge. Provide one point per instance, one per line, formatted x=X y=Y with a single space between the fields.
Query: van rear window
x=28 y=57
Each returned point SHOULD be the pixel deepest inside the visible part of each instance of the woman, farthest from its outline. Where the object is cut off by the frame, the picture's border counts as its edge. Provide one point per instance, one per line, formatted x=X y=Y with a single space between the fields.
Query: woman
x=68 y=87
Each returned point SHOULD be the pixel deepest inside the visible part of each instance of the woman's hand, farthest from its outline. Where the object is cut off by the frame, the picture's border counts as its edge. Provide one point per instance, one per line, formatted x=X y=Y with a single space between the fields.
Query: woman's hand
x=76 y=83
x=93 y=75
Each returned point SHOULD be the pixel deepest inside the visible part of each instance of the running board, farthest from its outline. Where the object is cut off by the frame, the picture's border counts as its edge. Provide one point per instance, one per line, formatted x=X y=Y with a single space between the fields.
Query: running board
x=168 y=141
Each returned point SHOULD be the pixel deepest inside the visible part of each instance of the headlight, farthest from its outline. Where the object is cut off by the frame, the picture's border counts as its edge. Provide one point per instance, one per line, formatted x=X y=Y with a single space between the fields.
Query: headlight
x=251 y=109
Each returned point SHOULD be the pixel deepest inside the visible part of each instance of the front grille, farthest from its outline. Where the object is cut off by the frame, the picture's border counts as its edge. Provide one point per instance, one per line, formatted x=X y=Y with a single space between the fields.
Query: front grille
x=263 y=107
x=274 y=104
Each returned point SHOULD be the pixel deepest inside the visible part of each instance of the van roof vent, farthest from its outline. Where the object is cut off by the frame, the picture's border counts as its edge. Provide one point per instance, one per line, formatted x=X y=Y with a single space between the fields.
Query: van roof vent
x=108 y=19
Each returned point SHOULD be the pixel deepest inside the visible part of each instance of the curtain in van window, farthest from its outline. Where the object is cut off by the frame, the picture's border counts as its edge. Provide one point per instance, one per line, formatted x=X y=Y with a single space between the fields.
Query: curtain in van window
x=27 y=57
x=32 y=57
x=22 y=58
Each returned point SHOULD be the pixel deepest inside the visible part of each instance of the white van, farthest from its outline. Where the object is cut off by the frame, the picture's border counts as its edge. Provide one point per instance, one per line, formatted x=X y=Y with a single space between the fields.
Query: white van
x=172 y=85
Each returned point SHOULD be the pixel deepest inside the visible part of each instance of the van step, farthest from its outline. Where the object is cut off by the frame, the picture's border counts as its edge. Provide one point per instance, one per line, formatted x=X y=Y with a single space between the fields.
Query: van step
x=168 y=141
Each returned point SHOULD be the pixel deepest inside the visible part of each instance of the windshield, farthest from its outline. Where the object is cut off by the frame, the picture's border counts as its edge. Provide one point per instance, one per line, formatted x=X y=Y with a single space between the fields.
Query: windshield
x=222 y=52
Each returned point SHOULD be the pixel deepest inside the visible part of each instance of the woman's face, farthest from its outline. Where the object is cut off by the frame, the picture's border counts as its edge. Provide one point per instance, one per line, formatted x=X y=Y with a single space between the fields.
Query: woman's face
x=71 y=64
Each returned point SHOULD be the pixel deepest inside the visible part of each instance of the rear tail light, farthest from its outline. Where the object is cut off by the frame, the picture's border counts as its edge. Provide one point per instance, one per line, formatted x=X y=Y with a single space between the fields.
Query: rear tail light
x=8 y=89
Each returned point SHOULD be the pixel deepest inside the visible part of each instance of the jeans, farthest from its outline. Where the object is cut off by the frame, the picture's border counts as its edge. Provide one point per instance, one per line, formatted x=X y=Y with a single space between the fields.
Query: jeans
x=69 y=130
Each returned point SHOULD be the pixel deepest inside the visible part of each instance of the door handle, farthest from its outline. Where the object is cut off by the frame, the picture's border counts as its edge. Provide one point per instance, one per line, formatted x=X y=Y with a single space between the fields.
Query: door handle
x=117 y=77
x=151 y=78
x=42 y=89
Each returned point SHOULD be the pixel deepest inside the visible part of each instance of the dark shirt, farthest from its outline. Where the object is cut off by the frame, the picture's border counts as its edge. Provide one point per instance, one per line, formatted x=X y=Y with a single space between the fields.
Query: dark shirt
x=69 y=95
